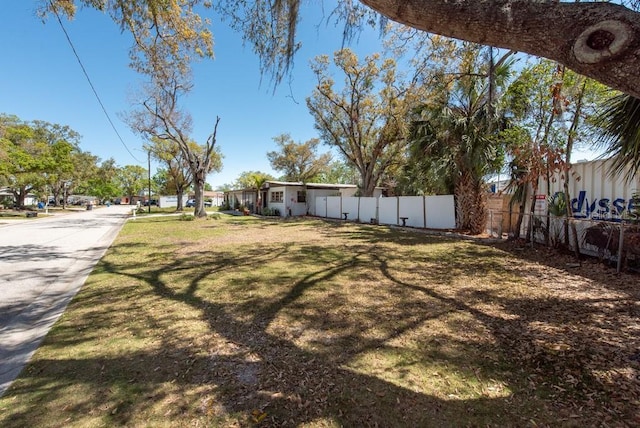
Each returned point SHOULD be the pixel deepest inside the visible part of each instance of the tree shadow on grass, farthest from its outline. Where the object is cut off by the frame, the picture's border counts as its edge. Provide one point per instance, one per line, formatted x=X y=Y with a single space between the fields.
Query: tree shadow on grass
x=258 y=362
x=292 y=385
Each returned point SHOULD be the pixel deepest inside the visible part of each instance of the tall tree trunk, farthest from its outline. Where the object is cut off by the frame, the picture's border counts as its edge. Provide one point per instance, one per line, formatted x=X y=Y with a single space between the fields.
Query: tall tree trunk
x=199 y=179
x=532 y=211
x=521 y=208
x=368 y=181
x=55 y=192
x=470 y=204
x=179 y=194
x=480 y=215
x=258 y=207
x=569 y=214
x=21 y=196
x=547 y=241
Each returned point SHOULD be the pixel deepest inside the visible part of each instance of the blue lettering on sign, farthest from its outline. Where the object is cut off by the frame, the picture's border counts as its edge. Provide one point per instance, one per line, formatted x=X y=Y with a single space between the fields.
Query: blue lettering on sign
x=618 y=207
x=603 y=209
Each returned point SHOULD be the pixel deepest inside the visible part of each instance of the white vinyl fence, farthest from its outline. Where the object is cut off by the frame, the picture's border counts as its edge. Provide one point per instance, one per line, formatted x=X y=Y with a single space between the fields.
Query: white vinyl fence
x=432 y=212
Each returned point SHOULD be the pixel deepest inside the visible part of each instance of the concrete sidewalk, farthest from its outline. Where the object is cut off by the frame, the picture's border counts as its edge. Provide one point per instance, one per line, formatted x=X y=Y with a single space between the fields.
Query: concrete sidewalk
x=43 y=264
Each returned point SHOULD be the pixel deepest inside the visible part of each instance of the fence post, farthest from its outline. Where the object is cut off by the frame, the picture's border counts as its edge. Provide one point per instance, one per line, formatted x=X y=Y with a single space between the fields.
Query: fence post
x=491 y=223
x=620 y=246
x=424 y=211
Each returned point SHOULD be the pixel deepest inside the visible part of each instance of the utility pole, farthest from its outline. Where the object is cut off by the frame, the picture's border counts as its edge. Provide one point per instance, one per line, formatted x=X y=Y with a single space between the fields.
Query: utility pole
x=149 y=165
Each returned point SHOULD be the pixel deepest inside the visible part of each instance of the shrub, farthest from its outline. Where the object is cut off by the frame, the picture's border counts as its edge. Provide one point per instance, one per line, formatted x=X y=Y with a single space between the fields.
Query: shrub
x=266 y=211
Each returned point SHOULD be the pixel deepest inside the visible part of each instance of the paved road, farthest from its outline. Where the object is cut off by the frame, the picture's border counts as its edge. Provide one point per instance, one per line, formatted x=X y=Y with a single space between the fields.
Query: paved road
x=43 y=264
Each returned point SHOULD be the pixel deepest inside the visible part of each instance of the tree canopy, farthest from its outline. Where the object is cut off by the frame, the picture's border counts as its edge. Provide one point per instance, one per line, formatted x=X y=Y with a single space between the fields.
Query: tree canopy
x=167 y=34
x=298 y=161
x=365 y=118
x=46 y=159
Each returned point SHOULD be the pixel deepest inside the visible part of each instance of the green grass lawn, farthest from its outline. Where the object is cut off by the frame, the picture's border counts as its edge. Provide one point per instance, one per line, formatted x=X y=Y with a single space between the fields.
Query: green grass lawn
x=242 y=322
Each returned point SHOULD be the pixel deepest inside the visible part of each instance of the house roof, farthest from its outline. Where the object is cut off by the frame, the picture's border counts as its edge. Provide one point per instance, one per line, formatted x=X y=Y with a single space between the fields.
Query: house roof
x=310 y=185
x=274 y=183
x=330 y=186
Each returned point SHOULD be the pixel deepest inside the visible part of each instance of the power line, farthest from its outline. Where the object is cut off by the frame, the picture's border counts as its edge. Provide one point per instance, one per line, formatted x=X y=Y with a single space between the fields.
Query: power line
x=55 y=11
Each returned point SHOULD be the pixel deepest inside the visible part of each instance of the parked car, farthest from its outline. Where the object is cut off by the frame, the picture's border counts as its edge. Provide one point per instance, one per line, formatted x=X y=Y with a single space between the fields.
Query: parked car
x=150 y=202
x=192 y=203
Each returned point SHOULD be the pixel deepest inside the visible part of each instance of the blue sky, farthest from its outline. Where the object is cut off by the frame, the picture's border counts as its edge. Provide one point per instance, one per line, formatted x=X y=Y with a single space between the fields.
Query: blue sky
x=40 y=78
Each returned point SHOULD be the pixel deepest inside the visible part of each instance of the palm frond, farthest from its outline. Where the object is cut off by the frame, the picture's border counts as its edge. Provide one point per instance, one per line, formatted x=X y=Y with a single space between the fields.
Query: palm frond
x=620 y=124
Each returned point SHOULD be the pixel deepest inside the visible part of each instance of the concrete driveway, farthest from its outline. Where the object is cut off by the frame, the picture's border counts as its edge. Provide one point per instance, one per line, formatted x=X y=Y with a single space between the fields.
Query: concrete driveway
x=43 y=264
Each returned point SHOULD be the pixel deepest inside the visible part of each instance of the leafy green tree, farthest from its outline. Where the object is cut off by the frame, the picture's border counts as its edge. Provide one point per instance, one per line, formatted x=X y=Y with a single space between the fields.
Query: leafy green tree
x=161 y=182
x=339 y=172
x=36 y=156
x=437 y=63
x=552 y=111
x=21 y=167
x=534 y=142
x=102 y=181
x=179 y=174
x=22 y=164
x=298 y=161
x=63 y=144
x=61 y=169
x=247 y=179
x=365 y=120
x=425 y=175
x=132 y=179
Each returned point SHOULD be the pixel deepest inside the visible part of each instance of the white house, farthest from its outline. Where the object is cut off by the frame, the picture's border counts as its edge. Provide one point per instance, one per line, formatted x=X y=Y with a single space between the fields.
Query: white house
x=7 y=195
x=289 y=198
x=295 y=198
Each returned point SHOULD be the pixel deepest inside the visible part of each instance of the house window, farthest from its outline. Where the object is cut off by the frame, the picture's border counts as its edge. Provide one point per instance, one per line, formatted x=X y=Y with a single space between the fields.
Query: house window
x=277 y=196
x=302 y=196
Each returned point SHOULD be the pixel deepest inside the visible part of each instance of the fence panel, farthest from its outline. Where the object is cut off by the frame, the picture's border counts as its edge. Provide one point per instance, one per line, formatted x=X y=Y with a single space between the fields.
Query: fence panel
x=350 y=206
x=321 y=206
x=440 y=212
x=388 y=210
x=368 y=209
x=412 y=209
x=334 y=207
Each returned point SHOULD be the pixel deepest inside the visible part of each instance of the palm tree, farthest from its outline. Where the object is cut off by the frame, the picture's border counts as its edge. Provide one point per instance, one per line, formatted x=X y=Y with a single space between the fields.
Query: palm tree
x=459 y=133
x=258 y=181
x=620 y=125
